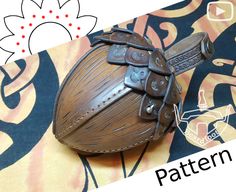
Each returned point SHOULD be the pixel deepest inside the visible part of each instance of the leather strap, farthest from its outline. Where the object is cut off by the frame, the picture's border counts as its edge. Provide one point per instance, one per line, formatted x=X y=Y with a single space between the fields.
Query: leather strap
x=189 y=52
x=152 y=71
x=183 y=56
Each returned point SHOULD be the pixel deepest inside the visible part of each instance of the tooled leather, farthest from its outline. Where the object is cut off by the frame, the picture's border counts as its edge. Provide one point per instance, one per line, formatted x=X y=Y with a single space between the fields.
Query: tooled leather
x=166 y=117
x=152 y=74
x=125 y=37
x=188 y=60
x=136 y=57
x=195 y=49
x=109 y=150
x=156 y=84
x=117 y=54
x=121 y=90
x=146 y=102
x=147 y=72
x=114 y=128
x=157 y=63
x=98 y=104
x=136 y=77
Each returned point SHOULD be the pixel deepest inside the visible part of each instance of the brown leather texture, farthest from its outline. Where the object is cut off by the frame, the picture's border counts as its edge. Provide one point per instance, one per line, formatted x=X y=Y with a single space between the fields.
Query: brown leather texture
x=118 y=95
x=81 y=121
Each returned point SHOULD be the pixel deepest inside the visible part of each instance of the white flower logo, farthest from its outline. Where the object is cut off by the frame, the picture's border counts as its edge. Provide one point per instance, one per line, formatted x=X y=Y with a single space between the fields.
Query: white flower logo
x=43 y=26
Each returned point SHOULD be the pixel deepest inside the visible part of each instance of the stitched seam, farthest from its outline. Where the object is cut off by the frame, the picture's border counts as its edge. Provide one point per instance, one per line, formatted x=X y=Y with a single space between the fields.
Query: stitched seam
x=113 y=150
x=76 y=121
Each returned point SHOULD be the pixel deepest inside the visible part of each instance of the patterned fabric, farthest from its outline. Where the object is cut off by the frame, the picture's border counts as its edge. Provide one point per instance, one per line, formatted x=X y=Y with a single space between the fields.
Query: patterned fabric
x=31 y=159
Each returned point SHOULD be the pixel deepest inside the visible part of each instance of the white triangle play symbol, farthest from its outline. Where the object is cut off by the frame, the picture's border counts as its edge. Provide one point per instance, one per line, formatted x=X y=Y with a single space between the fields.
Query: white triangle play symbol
x=219 y=11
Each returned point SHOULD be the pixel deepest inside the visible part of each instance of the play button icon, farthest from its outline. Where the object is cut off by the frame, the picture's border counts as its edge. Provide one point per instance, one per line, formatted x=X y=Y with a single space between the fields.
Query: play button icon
x=220 y=11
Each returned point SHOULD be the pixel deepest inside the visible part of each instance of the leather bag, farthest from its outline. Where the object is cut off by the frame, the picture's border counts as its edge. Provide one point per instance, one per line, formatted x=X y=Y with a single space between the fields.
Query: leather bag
x=122 y=93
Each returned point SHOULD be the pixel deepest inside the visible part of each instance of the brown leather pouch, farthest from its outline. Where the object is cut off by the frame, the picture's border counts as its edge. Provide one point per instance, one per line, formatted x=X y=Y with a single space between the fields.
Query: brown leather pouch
x=122 y=93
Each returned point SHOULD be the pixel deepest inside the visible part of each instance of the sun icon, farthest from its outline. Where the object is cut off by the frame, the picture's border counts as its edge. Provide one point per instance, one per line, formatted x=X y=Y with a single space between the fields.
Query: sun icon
x=43 y=26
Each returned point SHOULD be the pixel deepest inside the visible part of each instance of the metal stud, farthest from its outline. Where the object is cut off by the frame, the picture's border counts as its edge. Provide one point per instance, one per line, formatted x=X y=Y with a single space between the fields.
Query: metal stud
x=149 y=109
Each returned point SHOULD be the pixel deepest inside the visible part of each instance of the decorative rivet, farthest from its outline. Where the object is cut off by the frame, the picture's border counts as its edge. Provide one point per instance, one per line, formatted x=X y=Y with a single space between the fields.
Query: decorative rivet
x=149 y=109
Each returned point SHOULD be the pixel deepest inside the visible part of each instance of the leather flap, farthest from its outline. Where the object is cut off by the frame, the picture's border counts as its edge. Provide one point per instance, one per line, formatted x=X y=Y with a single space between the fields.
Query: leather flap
x=135 y=77
x=149 y=108
x=138 y=41
x=137 y=57
x=117 y=54
x=114 y=37
x=166 y=115
x=156 y=84
x=172 y=93
x=157 y=63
